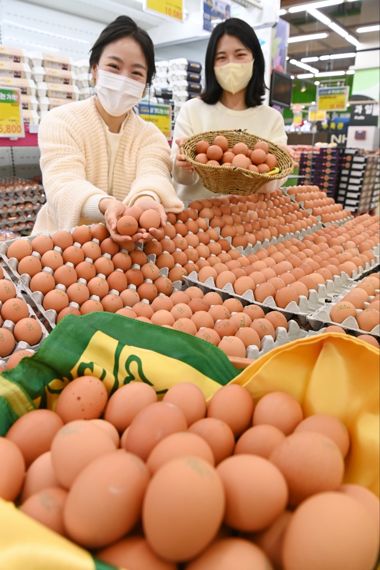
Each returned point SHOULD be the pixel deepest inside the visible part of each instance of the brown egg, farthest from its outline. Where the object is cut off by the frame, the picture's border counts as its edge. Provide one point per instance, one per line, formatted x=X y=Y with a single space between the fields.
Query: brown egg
x=248 y=336
x=147 y=291
x=91 y=250
x=185 y=325
x=202 y=319
x=232 y=404
x=134 y=277
x=280 y=410
x=29 y=265
x=81 y=234
x=277 y=319
x=122 y=260
x=91 y=306
x=109 y=246
x=17 y=356
x=129 y=297
x=259 y=440
x=164 y=285
x=341 y=524
x=213 y=298
x=98 y=286
x=221 y=141
x=138 y=257
x=41 y=244
x=85 y=270
x=112 y=303
x=181 y=310
x=263 y=327
x=232 y=346
x=341 y=311
x=217 y=434
x=42 y=281
x=19 y=248
x=7 y=290
x=180 y=297
x=132 y=552
x=7 y=342
x=142 y=309
x=322 y=464
x=201 y=146
x=163 y=317
x=254 y=312
x=73 y=254
x=256 y=492
x=329 y=426
x=14 y=310
x=209 y=335
x=99 y=231
x=369 y=339
x=176 y=273
x=56 y=300
x=78 y=292
x=66 y=275
x=104 y=266
x=127 y=226
x=11 y=479
x=67 y=311
x=62 y=239
x=117 y=280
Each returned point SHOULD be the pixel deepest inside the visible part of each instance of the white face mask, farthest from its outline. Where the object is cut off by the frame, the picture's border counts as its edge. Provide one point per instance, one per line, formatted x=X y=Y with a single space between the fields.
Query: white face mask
x=117 y=93
x=233 y=77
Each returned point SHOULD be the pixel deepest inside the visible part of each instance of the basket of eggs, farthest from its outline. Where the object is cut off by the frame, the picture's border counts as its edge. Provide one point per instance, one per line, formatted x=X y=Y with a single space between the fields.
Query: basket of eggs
x=236 y=162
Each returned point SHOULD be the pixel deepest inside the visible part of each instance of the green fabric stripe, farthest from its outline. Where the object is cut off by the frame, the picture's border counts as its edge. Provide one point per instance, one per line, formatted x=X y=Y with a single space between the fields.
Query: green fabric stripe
x=99 y=565
x=7 y=416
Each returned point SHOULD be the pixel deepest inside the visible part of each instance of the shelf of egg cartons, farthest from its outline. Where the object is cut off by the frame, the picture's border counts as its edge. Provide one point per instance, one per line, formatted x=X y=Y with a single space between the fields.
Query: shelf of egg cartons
x=316 y=202
x=321 y=280
x=363 y=310
x=55 y=81
x=16 y=333
x=82 y=78
x=20 y=201
x=359 y=184
x=19 y=74
x=250 y=223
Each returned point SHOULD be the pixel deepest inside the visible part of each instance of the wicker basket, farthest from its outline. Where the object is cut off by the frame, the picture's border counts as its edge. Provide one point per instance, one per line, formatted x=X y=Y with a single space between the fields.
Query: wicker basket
x=235 y=180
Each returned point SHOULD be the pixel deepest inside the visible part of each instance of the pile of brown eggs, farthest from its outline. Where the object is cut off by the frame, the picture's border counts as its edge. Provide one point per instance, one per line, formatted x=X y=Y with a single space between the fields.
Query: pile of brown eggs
x=317 y=201
x=226 y=484
x=224 y=323
x=258 y=159
x=253 y=219
x=16 y=322
x=362 y=303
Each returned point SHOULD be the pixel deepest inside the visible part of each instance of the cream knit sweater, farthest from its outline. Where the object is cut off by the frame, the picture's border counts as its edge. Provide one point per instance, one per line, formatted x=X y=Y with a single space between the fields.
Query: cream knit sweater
x=75 y=164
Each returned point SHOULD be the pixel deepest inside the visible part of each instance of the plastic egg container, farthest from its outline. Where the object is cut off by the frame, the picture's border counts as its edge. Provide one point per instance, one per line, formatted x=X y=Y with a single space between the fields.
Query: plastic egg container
x=356 y=310
x=259 y=219
x=20 y=327
x=317 y=203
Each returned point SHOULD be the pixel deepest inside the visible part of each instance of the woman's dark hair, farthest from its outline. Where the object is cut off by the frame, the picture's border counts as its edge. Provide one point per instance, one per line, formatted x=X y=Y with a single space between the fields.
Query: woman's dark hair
x=256 y=87
x=124 y=27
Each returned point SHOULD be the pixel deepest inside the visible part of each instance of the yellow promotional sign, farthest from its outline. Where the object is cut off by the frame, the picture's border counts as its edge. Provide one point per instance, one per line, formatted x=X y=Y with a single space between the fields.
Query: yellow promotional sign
x=170 y=8
x=158 y=114
x=316 y=115
x=11 y=122
x=332 y=98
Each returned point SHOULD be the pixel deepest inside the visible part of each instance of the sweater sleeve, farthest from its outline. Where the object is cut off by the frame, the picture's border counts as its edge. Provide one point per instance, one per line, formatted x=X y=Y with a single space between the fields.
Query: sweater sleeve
x=278 y=134
x=63 y=172
x=153 y=171
x=183 y=129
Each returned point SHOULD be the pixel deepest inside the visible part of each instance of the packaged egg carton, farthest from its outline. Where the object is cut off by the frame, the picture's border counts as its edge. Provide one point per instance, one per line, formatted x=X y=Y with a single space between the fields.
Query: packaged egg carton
x=16 y=70
x=51 y=75
x=300 y=310
x=9 y=324
x=58 y=62
x=10 y=54
x=58 y=91
x=26 y=86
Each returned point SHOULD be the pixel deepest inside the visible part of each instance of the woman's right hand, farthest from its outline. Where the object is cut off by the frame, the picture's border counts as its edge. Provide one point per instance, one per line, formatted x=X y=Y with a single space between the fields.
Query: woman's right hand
x=113 y=210
x=180 y=160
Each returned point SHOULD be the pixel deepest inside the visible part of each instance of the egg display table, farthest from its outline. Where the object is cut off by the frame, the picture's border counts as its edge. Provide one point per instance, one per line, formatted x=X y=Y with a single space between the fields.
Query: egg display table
x=244 y=273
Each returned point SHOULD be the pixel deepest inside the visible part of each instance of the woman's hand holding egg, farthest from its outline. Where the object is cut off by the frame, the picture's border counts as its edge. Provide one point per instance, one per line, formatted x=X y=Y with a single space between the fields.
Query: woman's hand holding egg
x=113 y=210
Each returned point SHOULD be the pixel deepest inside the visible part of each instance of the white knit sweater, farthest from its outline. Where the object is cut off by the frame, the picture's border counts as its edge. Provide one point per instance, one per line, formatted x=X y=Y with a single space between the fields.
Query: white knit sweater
x=75 y=164
x=197 y=117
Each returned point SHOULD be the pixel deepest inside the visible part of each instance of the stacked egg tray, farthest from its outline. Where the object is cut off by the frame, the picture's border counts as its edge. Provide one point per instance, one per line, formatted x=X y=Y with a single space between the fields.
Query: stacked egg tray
x=317 y=203
x=323 y=316
x=8 y=322
x=252 y=222
x=20 y=201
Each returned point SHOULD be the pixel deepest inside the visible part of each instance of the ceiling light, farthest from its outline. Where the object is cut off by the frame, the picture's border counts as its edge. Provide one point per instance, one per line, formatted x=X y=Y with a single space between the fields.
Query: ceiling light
x=309 y=59
x=303 y=66
x=308 y=37
x=337 y=56
x=305 y=76
x=282 y=11
x=367 y=29
x=322 y=4
x=333 y=26
x=330 y=74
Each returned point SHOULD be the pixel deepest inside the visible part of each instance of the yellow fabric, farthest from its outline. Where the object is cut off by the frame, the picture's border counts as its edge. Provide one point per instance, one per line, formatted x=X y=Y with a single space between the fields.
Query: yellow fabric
x=27 y=545
x=330 y=373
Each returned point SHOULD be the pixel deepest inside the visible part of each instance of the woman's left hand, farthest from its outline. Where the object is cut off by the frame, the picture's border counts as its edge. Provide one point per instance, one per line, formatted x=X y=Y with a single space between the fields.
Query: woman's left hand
x=147 y=203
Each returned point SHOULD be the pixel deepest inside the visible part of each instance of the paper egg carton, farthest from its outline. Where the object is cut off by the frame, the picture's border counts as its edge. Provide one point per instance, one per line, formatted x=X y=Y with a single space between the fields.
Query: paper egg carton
x=283 y=336
x=322 y=318
x=300 y=310
x=8 y=324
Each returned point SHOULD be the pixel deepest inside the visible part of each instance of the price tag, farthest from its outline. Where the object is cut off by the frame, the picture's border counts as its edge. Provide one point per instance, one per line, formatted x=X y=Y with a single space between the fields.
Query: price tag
x=158 y=114
x=11 y=121
x=170 y=8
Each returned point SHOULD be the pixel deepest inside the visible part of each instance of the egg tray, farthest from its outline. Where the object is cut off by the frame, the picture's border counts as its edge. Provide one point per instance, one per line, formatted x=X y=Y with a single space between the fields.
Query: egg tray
x=283 y=336
x=7 y=324
x=321 y=318
x=300 y=235
x=298 y=311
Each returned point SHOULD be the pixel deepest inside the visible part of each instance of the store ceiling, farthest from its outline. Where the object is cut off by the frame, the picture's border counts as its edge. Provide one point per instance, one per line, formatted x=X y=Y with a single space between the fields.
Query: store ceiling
x=349 y=15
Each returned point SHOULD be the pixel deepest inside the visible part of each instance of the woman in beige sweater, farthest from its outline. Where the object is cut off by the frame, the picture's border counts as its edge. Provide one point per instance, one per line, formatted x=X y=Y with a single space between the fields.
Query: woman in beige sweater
x=97 y=156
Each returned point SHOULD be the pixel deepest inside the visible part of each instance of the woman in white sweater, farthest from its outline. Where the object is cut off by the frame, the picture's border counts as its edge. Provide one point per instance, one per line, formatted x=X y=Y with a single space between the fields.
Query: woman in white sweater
x=97 y=156
x=232 y=99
